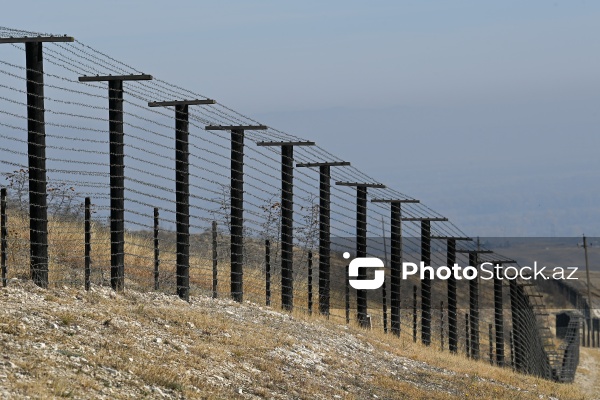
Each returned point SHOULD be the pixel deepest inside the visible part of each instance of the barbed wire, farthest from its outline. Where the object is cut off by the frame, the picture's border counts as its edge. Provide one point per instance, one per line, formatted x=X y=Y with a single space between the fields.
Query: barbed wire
x=78 y=144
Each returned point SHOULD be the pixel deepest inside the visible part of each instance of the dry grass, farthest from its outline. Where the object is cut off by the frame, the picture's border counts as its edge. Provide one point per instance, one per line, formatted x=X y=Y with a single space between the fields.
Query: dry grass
x=107 y=346
x=588 y=372
x=185 y=362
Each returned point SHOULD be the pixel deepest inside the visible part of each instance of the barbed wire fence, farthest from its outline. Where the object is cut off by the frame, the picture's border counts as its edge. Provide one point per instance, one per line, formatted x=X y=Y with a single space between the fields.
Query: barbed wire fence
x=184 y=195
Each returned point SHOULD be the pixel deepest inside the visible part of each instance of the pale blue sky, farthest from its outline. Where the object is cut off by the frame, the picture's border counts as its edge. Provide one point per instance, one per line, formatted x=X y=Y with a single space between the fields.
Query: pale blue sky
x=487 y=111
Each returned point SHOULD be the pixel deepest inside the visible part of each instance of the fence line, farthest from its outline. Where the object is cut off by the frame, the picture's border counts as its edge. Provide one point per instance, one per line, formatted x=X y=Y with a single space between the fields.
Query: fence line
x=233 y=227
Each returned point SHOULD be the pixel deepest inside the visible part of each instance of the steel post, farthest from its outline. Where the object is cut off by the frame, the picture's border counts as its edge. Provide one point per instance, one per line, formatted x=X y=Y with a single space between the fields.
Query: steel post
x=237 y=213
x=182 y=198
x=395 y=266
x=36 y=148
x=117 y=185
x=426 y=284
x=452 y=316
x=361 y=251
x=474 y=308
x=287 y=226
x=324 y=238
x=499 y=321
x=87 y=242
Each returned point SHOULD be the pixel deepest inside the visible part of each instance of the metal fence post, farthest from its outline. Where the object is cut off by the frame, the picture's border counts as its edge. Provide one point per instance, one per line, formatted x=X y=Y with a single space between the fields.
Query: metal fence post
x=3 y=235
x=237 y=205
x=452 y=318
x=597 y=328
x=287 y=229
x=499 y=321
x=467 y=336
x=237 y=214
x=384 y=304
x=395 y=266
x=324 y=229
x=156 y=249
x=491 y=341
x=474 y=308
x=512 y=349
x=117 y=172
x=310 y=278
x=414 y=316
x=361 y=245
x=361 y=251
x=452 y=313
x=426 y=284
x=36 y=144
x=347 y=295
x=324 y=238
x=287 y=219
x=36 y=150
x=215 y=260
x=517 y=326
x=395 y=258
x=117 y=184
x=182 y=190
x=441 y=325
x=88 y=242
x=182 y=196
x=267 y=272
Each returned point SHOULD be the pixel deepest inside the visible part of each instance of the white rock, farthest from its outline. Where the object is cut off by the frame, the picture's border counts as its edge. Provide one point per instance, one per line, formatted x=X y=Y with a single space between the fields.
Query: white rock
x=157 y=390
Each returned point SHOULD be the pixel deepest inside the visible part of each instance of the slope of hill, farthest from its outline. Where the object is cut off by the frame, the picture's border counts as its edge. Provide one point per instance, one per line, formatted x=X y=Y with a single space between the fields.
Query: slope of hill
x=69 y=343
x=588 y=371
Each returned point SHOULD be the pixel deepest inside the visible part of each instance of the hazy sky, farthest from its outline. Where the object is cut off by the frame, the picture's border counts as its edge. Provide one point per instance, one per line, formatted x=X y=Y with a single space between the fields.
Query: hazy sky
x=489 y=112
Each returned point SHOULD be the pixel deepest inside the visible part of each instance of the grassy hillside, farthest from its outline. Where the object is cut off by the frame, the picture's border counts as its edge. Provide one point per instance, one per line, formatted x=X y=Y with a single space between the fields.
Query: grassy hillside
x=64 y=342
x=67 y=266
x=64 y=311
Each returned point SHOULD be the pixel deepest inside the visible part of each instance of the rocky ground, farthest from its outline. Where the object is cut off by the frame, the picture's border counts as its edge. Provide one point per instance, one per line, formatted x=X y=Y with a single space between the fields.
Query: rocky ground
x=75 y=344
x=588 y=372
